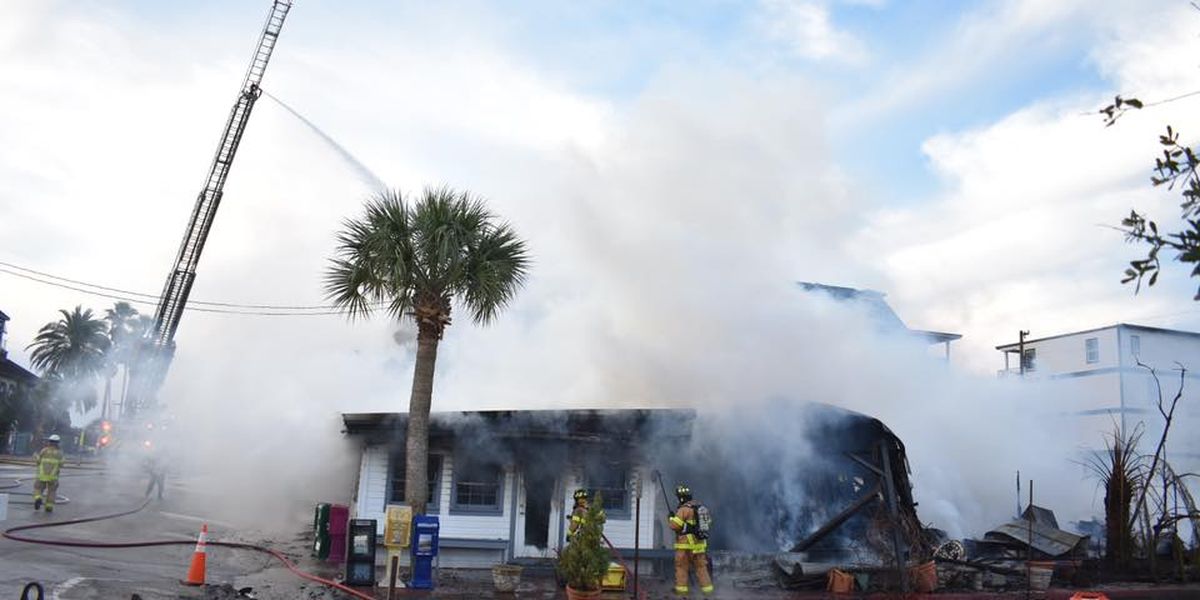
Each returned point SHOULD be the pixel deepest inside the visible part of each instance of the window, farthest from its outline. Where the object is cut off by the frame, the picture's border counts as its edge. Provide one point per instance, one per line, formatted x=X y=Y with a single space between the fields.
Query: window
x=1029 y=359
x=399 y=476
x=611 y=481
x=1092 y=349
x=1135 y=346
x=477 y=487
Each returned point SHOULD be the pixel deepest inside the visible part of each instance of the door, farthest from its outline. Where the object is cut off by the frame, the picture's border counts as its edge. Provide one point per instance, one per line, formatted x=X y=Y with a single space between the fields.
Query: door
x=535 y=535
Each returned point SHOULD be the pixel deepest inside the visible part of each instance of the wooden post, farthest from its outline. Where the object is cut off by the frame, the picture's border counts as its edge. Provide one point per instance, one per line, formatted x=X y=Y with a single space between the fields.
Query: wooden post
x=893 y=510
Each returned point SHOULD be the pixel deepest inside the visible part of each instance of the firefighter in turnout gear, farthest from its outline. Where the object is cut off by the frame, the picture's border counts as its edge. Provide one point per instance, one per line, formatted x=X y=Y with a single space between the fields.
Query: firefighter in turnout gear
x=48 y=460
x=579 y=513
x=691 y=542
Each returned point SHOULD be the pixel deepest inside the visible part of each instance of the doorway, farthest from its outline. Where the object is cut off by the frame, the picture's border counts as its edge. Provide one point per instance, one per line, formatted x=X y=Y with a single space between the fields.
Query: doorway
x=539 y=492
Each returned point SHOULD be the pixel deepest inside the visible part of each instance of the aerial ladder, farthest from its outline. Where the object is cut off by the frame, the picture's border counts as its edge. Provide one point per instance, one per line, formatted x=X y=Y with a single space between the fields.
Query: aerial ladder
x=179 y=283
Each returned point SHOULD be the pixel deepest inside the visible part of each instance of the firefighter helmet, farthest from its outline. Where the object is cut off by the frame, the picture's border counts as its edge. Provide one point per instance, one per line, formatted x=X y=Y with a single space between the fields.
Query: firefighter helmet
x=683 y=492
x=54 y=439
x=580 y=494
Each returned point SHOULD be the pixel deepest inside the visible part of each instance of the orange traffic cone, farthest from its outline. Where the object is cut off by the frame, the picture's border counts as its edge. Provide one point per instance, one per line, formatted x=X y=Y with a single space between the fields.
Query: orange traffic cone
x=195 y=574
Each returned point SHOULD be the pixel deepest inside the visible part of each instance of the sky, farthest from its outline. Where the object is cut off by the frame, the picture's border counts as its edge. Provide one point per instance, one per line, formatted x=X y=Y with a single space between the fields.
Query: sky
x=675 y=167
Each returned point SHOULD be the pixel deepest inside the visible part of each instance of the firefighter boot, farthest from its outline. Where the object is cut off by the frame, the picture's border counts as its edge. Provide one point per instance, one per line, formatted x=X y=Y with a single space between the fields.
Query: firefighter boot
x=37 y=504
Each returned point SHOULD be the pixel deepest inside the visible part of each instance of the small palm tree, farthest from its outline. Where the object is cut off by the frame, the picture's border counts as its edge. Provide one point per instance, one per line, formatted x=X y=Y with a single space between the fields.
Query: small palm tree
x=72 y=349
x=121 y=319
x=415 y=260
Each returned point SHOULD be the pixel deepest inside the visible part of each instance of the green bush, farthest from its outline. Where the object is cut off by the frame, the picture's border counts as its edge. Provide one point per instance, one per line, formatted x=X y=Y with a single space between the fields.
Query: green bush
x=584 y=561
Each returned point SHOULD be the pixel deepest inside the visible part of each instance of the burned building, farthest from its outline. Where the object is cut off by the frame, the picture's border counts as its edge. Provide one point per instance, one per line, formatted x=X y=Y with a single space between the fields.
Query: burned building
x=502 y=481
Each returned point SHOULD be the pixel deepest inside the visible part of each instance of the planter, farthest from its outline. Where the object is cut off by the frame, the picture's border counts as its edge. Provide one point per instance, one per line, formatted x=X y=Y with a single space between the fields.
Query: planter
x=840 y=582
x=574 y=594
x=924 y=577
x=506 y=578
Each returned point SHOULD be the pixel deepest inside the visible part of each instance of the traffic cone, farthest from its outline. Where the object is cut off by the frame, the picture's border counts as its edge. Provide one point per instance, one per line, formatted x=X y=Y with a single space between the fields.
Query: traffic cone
x=195 y=574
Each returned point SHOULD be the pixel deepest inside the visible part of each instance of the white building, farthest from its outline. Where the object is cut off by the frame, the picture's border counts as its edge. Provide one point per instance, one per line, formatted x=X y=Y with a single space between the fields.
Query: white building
x=1103 y=382
x=501 y=481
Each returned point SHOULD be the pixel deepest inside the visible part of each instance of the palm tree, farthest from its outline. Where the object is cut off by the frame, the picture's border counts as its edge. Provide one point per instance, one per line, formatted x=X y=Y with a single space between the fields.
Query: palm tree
x=72 y=349
x=121 y=319
x=417 y=259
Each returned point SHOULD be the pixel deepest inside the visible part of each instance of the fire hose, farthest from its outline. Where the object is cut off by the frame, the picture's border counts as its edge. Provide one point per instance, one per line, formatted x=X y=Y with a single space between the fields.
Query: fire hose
x=12 y=534
x=620 y=559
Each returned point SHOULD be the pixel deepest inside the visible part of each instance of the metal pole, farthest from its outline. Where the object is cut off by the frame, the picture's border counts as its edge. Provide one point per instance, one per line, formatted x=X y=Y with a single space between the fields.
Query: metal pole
x=1029 y=550
x=1021 y=350
x=637 y=534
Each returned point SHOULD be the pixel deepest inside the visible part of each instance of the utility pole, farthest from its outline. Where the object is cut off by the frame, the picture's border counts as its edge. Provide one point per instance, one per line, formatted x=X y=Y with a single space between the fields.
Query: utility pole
x=1021 y=349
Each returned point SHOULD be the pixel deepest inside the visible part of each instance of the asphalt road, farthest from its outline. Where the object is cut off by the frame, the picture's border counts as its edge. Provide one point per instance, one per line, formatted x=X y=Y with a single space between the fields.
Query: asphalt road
x=78 y=573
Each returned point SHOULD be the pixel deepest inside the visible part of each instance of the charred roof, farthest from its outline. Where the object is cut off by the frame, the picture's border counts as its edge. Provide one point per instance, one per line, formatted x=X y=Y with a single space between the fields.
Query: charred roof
x=573 y=425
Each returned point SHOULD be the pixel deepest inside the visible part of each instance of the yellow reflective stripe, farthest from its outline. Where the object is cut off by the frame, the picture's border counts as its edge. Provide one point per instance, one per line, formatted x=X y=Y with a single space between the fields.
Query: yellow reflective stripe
x=682 y=589
x=707 y=589
x=677 y=521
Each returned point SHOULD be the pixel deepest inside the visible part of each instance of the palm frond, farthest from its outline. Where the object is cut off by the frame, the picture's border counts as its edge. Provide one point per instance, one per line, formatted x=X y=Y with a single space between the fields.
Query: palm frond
x=444 y=246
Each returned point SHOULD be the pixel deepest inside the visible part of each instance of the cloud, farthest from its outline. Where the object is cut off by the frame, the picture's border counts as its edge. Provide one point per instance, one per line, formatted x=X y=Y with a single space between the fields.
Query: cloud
x=807 y=30
x=1020 y=237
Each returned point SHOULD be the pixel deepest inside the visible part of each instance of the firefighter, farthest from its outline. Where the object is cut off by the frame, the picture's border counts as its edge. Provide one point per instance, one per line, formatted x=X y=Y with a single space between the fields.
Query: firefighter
x=156 y=470
x=579 y=513
x=691 y=549
x=48 y=460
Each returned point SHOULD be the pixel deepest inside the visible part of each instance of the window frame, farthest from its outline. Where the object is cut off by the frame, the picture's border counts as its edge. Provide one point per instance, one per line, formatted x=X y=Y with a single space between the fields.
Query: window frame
x=1135 y=346
x=626 y=471
x=476 y=509
x=1091 y=350
x=397 y=460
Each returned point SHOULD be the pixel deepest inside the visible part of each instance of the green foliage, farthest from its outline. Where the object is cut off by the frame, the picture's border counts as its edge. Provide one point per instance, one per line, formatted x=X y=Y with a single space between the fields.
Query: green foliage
x=1180 y=167
x=72 y=346
x=1122 y=473
x=584 y=561
x=416 y=258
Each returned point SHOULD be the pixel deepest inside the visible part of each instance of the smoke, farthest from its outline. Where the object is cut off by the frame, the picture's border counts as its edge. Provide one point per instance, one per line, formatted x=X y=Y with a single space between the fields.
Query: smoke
x=666 y=262
x=669 y=230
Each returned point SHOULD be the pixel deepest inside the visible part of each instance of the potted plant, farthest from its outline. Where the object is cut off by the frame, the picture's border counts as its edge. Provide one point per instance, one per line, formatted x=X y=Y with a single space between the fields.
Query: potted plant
x=584 y=561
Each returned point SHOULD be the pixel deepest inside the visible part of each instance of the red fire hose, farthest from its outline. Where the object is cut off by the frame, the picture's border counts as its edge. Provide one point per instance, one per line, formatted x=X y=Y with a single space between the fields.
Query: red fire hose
x=11 y=534
x=613 y=550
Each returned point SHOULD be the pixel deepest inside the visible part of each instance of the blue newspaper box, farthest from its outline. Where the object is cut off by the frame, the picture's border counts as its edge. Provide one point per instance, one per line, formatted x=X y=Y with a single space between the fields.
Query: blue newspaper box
x=424 y=548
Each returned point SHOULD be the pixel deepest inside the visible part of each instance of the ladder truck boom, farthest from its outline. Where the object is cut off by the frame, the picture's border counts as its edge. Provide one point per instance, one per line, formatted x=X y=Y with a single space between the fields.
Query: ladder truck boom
x=179 y=283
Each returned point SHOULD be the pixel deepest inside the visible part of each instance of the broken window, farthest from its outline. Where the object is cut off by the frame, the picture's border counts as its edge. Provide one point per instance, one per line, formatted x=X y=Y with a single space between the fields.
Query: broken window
x=399 y=476
x=611 y=481
x=477 y=487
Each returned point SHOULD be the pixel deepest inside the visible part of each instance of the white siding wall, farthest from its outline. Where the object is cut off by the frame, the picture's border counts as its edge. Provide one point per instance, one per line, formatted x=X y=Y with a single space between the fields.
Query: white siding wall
x=620 y=530
x=477 y=527
x=371 y=500
x=371 y=497
x=1068 y=354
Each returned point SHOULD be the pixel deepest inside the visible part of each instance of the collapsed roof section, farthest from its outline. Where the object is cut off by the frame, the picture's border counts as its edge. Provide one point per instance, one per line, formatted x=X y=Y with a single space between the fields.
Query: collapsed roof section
x=875 y=305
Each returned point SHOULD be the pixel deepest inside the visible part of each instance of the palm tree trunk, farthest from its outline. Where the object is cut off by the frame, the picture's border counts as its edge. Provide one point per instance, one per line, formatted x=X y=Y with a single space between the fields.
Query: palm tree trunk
x=416 y=486
x=107 y=397
x=124 y=389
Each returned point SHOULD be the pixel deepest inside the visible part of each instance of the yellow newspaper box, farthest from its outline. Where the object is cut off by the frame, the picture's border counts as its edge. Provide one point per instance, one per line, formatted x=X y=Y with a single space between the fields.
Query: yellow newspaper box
x=397 y=530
